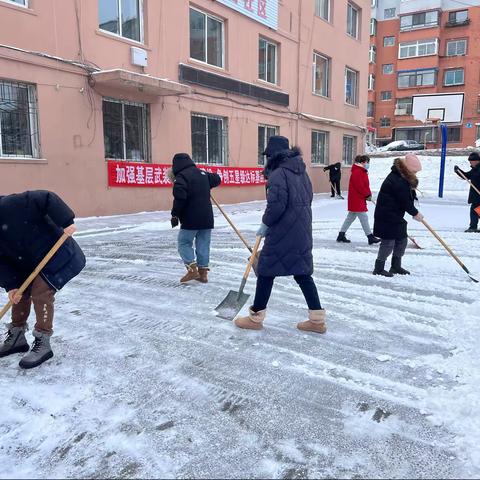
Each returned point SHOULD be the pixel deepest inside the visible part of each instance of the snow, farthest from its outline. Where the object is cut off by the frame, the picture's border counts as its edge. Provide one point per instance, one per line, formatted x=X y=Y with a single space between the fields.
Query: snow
x=147 y=382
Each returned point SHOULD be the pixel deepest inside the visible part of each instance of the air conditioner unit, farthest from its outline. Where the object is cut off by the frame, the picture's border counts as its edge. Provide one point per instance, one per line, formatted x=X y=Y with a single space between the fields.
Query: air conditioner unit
x=139 y=56
x=400 y=111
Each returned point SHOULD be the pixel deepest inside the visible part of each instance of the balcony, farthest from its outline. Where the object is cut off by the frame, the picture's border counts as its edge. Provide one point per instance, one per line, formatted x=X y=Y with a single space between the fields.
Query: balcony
x=401 y=111
x=413 y=6
x=462 y=23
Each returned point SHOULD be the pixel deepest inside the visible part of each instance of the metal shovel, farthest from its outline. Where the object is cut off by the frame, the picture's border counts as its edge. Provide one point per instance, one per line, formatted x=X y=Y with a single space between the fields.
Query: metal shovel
x=234 y=301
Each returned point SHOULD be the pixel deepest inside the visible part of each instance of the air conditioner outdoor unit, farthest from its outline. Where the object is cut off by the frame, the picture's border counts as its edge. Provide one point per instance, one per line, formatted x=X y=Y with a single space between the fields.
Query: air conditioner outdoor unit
x=400 y=111
x=139 y=56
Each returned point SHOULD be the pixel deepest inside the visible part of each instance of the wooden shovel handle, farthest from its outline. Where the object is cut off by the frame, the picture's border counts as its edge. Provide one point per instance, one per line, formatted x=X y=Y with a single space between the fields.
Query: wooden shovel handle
x=469 y=181
x=249 y=265
x=35 y=273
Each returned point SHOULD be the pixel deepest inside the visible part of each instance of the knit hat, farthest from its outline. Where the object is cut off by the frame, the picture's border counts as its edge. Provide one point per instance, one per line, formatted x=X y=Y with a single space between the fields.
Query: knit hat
x=474 y=157
x=276 y=143
x=412 y=162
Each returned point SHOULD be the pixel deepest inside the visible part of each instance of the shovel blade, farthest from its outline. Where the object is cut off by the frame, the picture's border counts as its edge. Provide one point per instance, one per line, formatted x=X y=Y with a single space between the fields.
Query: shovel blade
x=231 y=305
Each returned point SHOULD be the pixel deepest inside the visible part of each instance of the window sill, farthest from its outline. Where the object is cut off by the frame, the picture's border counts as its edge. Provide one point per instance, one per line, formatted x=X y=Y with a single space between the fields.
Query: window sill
x=454 y=85
x=128 y=41
x=422 y=27
x=213 y=68
x=18 y=8
x=350 y=105
x=321 y=96
x=318 y=165
x=265 y=84
x=30 y=161
x=324 y=20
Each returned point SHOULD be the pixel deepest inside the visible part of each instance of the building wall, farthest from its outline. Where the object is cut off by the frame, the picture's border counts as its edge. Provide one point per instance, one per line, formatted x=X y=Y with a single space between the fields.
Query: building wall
x=70 y=116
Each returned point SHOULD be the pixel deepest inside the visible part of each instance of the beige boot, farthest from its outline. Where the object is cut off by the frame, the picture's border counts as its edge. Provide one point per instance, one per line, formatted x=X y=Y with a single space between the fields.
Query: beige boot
x=192 y=273
x=254 y=321
x=315 y=322
x=203 y=272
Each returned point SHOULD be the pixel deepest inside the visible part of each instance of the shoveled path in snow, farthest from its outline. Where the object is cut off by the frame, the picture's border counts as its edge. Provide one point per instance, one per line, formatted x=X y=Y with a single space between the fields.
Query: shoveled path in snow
x=147 y=382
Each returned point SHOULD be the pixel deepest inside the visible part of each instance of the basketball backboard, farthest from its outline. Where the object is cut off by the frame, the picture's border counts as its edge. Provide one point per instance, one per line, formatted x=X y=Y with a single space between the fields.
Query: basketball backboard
x=446 y=107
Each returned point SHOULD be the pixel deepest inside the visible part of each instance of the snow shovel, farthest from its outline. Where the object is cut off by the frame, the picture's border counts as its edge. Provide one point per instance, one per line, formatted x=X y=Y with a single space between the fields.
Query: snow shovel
x=449 y=250
x=234 y=301
x=477 y=209
x=39 y=268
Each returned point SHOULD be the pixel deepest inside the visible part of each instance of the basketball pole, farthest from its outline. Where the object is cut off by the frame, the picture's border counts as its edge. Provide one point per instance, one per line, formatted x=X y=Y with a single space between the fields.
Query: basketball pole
x=443 y=155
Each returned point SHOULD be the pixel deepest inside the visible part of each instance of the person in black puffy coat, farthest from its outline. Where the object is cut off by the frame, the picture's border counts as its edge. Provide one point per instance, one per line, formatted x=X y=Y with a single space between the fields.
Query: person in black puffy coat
x=473 y=196
x=396 y=197
x=335 y=174
x=287 y=228
x=192 y=208
x=31 y=223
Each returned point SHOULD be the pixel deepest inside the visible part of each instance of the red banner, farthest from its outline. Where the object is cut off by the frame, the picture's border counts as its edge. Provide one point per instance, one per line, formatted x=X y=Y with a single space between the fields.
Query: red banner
x=133 y=174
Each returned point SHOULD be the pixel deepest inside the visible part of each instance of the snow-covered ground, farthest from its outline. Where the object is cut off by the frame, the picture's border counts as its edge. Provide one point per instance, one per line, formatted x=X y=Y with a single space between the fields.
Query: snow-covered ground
x=147 y=382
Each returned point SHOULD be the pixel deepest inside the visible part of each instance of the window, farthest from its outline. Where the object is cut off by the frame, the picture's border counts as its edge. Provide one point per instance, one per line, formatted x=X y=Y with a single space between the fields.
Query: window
x=349 y=149
x=388 y=41
x=372 y=54
x=404 y=106
x=18 y=120
x=206 y=38
x=420 y=48
x=351 y=86
x=122 y=17
x=384 y=122
x=319 y=147
x=264 y=133
x=321 y=75
x=416 y=78
x=387 y=69
x=386 y=95
x=267 y=61
x=371 y=81
x=125 y=130
x=456 y=18
x=420 y=135
x=419 y=20
x=478 y=131
x=370 y=109
x=322 y=9
x=478 y=104
x=454 y=134
x=352 y=20
x=389 y=13
x=24 y=3
x=456 y=47
x=454 y=77
x=209 y=139
x=373 y=26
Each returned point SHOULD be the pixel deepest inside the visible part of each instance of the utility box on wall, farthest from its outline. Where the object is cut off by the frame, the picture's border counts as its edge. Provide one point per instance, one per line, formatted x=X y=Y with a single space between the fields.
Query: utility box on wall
x=139 y=56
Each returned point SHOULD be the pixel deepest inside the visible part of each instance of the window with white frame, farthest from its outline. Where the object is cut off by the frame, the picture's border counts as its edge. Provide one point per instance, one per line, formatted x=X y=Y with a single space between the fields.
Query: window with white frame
x=387 y=68
x=420 y=48
x=419 y=20
x=372 y=54
x=384 y=122
x=388 y=41
x=206 y=38
x=455 y=76
x=456 y=47
x=267 y=61
x=353 y=14
x=349 y=149
x=321 y=75
x=417 y=78
x=389 y=13
x=386 y=95
x=126 y=130
x=320 y=147
x=370 y=109
x=18 y=120
x=23 y=3
x=373 y=27
x=322 y=9
x=351 y=86
x=264 y=133
x=404 y=106
x=371 y=81
x=122 y=17
x=459 y=17
x=209 y=139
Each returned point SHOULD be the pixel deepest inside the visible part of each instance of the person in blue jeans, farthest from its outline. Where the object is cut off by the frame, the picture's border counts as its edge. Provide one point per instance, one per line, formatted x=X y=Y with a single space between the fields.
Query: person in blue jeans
x=192 y=209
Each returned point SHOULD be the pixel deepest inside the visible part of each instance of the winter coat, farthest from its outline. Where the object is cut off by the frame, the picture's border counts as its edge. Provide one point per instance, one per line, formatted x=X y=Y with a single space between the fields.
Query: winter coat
x=335 y=171
x=474 y=176
x=32 y=222
x=191 y=193
x=288 y=242
x=396 y=196
x=358 y=189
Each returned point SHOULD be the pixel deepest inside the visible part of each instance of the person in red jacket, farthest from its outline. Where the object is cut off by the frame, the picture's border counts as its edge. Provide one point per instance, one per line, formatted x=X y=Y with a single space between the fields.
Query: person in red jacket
x=358 y=194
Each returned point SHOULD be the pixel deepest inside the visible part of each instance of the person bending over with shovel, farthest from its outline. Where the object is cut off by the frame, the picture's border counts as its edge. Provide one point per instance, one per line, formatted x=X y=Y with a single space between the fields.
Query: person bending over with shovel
x=396 y=197
x=31 y=224
x=335 y=176
x=287 y=228
x=473 y=176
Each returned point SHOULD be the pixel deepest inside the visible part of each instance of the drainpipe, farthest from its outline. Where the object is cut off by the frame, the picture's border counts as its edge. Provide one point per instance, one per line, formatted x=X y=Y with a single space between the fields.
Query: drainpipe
x=298 y=109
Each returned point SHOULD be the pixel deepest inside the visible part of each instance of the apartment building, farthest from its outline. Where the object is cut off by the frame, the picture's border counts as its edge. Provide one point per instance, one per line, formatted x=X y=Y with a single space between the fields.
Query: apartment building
x=423 y=47
x=96 y=96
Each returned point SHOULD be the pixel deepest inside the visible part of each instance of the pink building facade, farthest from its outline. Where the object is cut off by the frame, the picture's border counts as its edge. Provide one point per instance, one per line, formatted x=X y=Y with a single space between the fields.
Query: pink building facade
x=89 y=87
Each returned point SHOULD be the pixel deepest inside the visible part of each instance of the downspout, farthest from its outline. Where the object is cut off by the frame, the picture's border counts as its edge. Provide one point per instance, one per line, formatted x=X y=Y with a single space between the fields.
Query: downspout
x=298 y=109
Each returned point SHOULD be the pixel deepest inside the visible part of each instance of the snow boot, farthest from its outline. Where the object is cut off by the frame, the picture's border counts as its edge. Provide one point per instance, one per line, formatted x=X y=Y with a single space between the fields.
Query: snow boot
x=40 y=351
x=342 y=238
x=373 y=239
x=15 y=341
x=192 y=273
x=254 y=320
x=380 y=269
x=203 y=272
x=397 y=267
x=315 y=322
x=472 y=230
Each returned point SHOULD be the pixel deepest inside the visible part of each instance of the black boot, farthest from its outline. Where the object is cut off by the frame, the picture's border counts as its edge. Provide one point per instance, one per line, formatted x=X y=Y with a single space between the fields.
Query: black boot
x=342 y=238
x=380 y=269
x=397 y=267
x=373 y=239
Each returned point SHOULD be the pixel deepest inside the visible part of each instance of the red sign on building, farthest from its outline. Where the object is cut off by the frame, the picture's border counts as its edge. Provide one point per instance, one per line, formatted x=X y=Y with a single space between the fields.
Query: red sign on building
x=133 y=174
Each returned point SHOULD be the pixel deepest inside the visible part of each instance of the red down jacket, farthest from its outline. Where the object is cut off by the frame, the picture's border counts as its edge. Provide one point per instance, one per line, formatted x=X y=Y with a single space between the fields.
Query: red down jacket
x=358 y=190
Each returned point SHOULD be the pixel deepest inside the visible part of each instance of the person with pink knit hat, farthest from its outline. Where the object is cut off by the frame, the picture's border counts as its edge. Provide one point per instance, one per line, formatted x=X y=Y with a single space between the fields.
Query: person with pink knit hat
x=396 y=197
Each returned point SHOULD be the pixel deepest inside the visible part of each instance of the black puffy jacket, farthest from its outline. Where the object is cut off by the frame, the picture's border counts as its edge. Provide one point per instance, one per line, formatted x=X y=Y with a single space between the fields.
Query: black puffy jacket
x=335 y=171
x=474 y=176
x=31 y=223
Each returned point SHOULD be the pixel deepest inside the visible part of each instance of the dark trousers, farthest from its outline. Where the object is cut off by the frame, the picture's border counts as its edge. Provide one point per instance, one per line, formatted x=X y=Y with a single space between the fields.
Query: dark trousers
x=388 y=246
x=473 y=216
x=305 y=282
x=336 y=184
